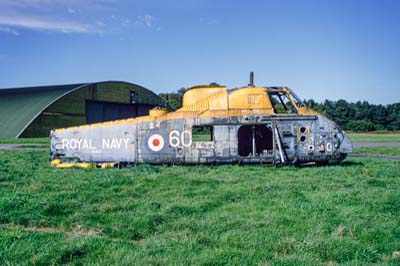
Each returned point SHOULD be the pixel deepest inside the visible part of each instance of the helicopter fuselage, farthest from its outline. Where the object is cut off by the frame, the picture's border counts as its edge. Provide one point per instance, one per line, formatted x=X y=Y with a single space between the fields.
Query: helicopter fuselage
x=247 y=125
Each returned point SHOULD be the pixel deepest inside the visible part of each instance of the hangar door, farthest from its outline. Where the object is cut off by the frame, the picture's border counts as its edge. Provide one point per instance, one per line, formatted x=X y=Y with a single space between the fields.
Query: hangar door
x=105 y=111
x=97 y=111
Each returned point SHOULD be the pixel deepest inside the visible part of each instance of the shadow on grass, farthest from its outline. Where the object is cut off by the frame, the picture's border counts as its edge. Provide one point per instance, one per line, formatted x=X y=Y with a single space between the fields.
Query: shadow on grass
x=317 y=165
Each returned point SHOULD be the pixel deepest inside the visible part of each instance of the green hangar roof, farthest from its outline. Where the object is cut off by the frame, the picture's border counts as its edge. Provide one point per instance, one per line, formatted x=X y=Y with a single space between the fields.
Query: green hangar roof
x=34 y=111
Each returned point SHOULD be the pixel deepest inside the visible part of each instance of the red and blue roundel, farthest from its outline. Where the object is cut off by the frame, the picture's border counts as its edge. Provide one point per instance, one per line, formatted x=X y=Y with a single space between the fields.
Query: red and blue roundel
x=155 y=142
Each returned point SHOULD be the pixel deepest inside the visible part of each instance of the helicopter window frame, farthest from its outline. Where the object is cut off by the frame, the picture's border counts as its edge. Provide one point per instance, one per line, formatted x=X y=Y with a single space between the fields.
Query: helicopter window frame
x=288 y=107
x=203 y=133
x=282 y=102
x=297 y=100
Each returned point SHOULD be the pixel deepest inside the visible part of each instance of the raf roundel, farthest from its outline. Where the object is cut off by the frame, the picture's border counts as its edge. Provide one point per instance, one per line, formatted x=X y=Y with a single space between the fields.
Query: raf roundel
x=156 y=142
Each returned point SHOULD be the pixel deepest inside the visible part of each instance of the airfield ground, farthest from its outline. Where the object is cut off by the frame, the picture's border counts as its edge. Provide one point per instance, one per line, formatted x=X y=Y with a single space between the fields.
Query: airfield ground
x=206 y=215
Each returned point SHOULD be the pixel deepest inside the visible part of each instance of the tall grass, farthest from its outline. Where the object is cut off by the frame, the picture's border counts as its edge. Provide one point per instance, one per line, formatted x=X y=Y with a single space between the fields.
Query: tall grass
x=206 y=215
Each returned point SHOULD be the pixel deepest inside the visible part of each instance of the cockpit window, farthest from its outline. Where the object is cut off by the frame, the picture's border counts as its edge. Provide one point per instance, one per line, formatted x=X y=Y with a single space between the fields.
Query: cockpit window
x=282 y=104
x=284 y=101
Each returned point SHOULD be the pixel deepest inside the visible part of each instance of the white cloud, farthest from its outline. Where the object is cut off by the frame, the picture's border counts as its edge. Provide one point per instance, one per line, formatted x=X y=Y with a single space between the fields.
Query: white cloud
x=209 y=21
x=47 y=15
x=125 y=22
x=25 y=3
x=43 y=24
x=69 y=16
x=147 y=20
x=71 y=10
x=9 y=30
x=100 y=23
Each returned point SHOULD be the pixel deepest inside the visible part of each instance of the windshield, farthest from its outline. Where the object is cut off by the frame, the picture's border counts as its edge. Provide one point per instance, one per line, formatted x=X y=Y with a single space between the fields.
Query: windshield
x=281 y=103
x=285 y=101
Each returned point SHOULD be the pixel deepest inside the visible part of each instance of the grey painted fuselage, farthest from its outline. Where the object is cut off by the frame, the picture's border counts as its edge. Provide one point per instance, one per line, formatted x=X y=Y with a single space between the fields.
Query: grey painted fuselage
x=266 y=139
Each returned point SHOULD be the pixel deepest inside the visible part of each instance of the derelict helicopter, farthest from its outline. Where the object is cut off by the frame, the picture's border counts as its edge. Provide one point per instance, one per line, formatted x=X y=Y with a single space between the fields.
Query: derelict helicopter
x=248 y=125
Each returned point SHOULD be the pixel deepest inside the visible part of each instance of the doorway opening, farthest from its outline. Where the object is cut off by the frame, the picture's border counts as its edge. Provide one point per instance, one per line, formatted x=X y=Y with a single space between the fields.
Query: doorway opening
x=255 y=140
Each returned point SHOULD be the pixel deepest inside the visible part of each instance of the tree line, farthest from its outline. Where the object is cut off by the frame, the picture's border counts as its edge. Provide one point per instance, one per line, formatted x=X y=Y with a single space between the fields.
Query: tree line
x=360 y=116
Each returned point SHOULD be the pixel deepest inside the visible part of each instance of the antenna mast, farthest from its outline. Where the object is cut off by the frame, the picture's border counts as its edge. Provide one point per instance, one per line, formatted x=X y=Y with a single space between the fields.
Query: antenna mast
x=251 y=83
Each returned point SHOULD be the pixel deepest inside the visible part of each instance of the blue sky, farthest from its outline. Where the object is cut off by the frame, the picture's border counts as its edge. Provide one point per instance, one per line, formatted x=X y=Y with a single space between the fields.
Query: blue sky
x=321 y=49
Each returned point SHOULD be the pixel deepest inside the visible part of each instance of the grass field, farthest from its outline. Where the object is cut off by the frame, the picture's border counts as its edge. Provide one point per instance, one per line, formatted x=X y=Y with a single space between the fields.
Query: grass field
x=25 y=141
x=391 y=151
x=221 y=215
x=375 y=137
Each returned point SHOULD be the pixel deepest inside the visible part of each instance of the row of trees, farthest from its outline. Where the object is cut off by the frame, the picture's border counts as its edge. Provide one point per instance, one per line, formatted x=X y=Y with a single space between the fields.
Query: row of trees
x=173 y=99
x=359 y=116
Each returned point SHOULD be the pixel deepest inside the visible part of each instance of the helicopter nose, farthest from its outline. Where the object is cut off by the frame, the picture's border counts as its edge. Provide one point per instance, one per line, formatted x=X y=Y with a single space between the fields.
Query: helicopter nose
x=346 y=146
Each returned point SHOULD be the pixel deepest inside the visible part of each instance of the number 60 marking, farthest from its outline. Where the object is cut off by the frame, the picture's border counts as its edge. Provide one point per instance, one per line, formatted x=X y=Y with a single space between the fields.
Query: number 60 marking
x=176 y=139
